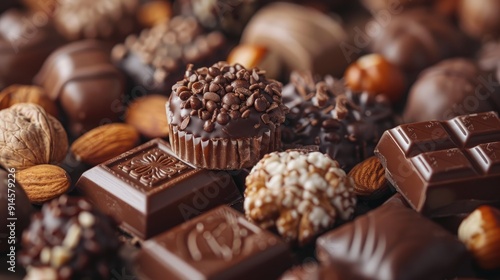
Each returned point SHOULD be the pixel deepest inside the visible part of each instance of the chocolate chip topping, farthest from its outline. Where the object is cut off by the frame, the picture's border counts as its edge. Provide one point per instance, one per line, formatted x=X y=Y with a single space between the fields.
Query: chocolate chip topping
x=224 y=93
x=344 y=124
x=169 y=45
x=70 y=240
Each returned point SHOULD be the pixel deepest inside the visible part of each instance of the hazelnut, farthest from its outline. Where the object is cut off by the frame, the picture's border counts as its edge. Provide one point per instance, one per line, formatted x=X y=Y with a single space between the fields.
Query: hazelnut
x=480 y=232
x=153 y=13
x=251 y=56
x=375 y=75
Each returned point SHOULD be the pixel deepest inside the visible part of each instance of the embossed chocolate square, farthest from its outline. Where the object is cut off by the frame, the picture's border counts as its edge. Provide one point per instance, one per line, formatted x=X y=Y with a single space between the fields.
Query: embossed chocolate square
x=149 y=190
x=220 y=244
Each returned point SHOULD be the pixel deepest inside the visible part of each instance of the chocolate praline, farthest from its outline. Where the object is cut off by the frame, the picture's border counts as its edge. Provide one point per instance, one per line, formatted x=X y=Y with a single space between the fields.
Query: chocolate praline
x=225 y=116
x=25 y=43
x=451 y=88
x=418 y=38
x=155 y=59
x=344 y=124
x=479 y=19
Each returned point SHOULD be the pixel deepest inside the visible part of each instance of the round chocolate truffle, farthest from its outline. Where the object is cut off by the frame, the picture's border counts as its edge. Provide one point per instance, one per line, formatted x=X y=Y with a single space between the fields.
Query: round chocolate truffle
x=451 y=88
x=225 y=116
x=479 y=19
x=300 y=194
x=344 y=124
x=69 y=239
x=489 y=58
x=155 y=59
x=416 y=39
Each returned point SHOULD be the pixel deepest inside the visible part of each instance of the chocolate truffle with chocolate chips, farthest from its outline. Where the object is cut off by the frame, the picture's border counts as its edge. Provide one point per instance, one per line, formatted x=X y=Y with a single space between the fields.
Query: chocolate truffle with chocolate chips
x=451 y=88
x=344 y=124
x=416 y=39
x=225 y=116
x=69 y=239
x=25 y=43
x=154 y=60
x=110 y=20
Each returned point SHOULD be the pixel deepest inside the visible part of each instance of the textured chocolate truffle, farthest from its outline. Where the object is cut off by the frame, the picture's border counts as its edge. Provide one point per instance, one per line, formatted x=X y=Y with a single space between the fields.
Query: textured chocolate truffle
x=225 y=116
x=109 y=20
x=418 y=38
x=81 y=77
x=345 y=125
x=305 y=39
x=155 y=59
x=479 y=19
x=451 y=88
x=25 y=43
x=69 y=239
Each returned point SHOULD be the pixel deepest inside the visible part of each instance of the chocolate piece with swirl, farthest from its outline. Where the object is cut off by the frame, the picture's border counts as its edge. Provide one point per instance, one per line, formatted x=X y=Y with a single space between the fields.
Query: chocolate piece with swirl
x=344 y=124
x=148 y=189
x=220 y=244
x=391 y=242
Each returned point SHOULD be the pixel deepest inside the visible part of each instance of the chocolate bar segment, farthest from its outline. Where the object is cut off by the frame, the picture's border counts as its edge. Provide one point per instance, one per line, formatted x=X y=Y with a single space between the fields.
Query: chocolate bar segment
x=220 y=244
x=149 y=190
x=391 y=242
x=439 y=165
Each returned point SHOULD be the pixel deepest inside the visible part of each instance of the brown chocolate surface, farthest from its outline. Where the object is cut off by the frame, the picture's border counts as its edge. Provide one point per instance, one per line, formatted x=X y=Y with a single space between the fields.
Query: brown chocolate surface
x=149 y=190
x=220 y=244
x=391 y=242
x=452 y=88
x=344 y=124
x=87 y=86
x=437 y=166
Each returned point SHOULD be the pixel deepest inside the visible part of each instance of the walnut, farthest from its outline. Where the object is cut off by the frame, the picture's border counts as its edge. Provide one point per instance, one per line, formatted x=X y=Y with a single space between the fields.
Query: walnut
x=27 y=94
x=29 y=136
x=300 y=194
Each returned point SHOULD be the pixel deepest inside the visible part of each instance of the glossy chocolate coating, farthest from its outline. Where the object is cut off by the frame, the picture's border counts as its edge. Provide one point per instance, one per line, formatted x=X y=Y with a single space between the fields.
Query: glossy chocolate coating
x=12 y=194
x=219 y=244
x=149 y=190
x=438 y=166
x=87 y=86
x=346 y=125
x=24 y=45
x=303 y=38
x=416 y=39
x=452 y=88
x=391 y=242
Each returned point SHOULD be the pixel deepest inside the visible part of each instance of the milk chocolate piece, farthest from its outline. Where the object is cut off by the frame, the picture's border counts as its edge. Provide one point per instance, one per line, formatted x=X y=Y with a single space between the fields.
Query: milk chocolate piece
x=452 y=88
x=87 y=86
x=149 y=190
x=391 y=242
x=418 y=38
x=220 y=244
x=303 y=38
x=437 y=166
x=25 y=43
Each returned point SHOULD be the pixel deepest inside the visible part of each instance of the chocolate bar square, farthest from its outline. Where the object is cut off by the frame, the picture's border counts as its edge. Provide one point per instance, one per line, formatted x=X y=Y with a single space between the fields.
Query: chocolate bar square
x=149 y=190
x=220 y=244
x=440 y=165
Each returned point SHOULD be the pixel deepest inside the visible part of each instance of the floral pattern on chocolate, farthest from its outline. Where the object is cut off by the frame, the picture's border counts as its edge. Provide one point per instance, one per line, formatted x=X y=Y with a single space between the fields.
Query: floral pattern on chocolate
x=153 y=166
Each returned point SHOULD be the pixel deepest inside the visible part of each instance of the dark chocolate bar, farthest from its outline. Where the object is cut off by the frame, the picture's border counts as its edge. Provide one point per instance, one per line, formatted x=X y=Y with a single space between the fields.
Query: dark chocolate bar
x=391 y=242
x=439 y=165
x=220 y=244
x=148 y=190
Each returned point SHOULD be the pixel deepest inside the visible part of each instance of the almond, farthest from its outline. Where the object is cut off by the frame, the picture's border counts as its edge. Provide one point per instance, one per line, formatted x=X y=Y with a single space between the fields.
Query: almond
x=369 y=179
x=147 y=114
x=480 y=232
x=43 y=182
x=105 y=142
x=251 y=56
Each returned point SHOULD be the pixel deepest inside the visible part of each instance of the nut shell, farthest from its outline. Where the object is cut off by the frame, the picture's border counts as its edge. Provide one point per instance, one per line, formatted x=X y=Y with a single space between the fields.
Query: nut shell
x=29 y=136
x=43 y=182
x=27 y=94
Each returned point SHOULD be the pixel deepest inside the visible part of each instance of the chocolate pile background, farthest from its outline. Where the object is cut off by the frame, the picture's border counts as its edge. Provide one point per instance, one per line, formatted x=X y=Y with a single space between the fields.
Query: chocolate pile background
x=249 y=139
